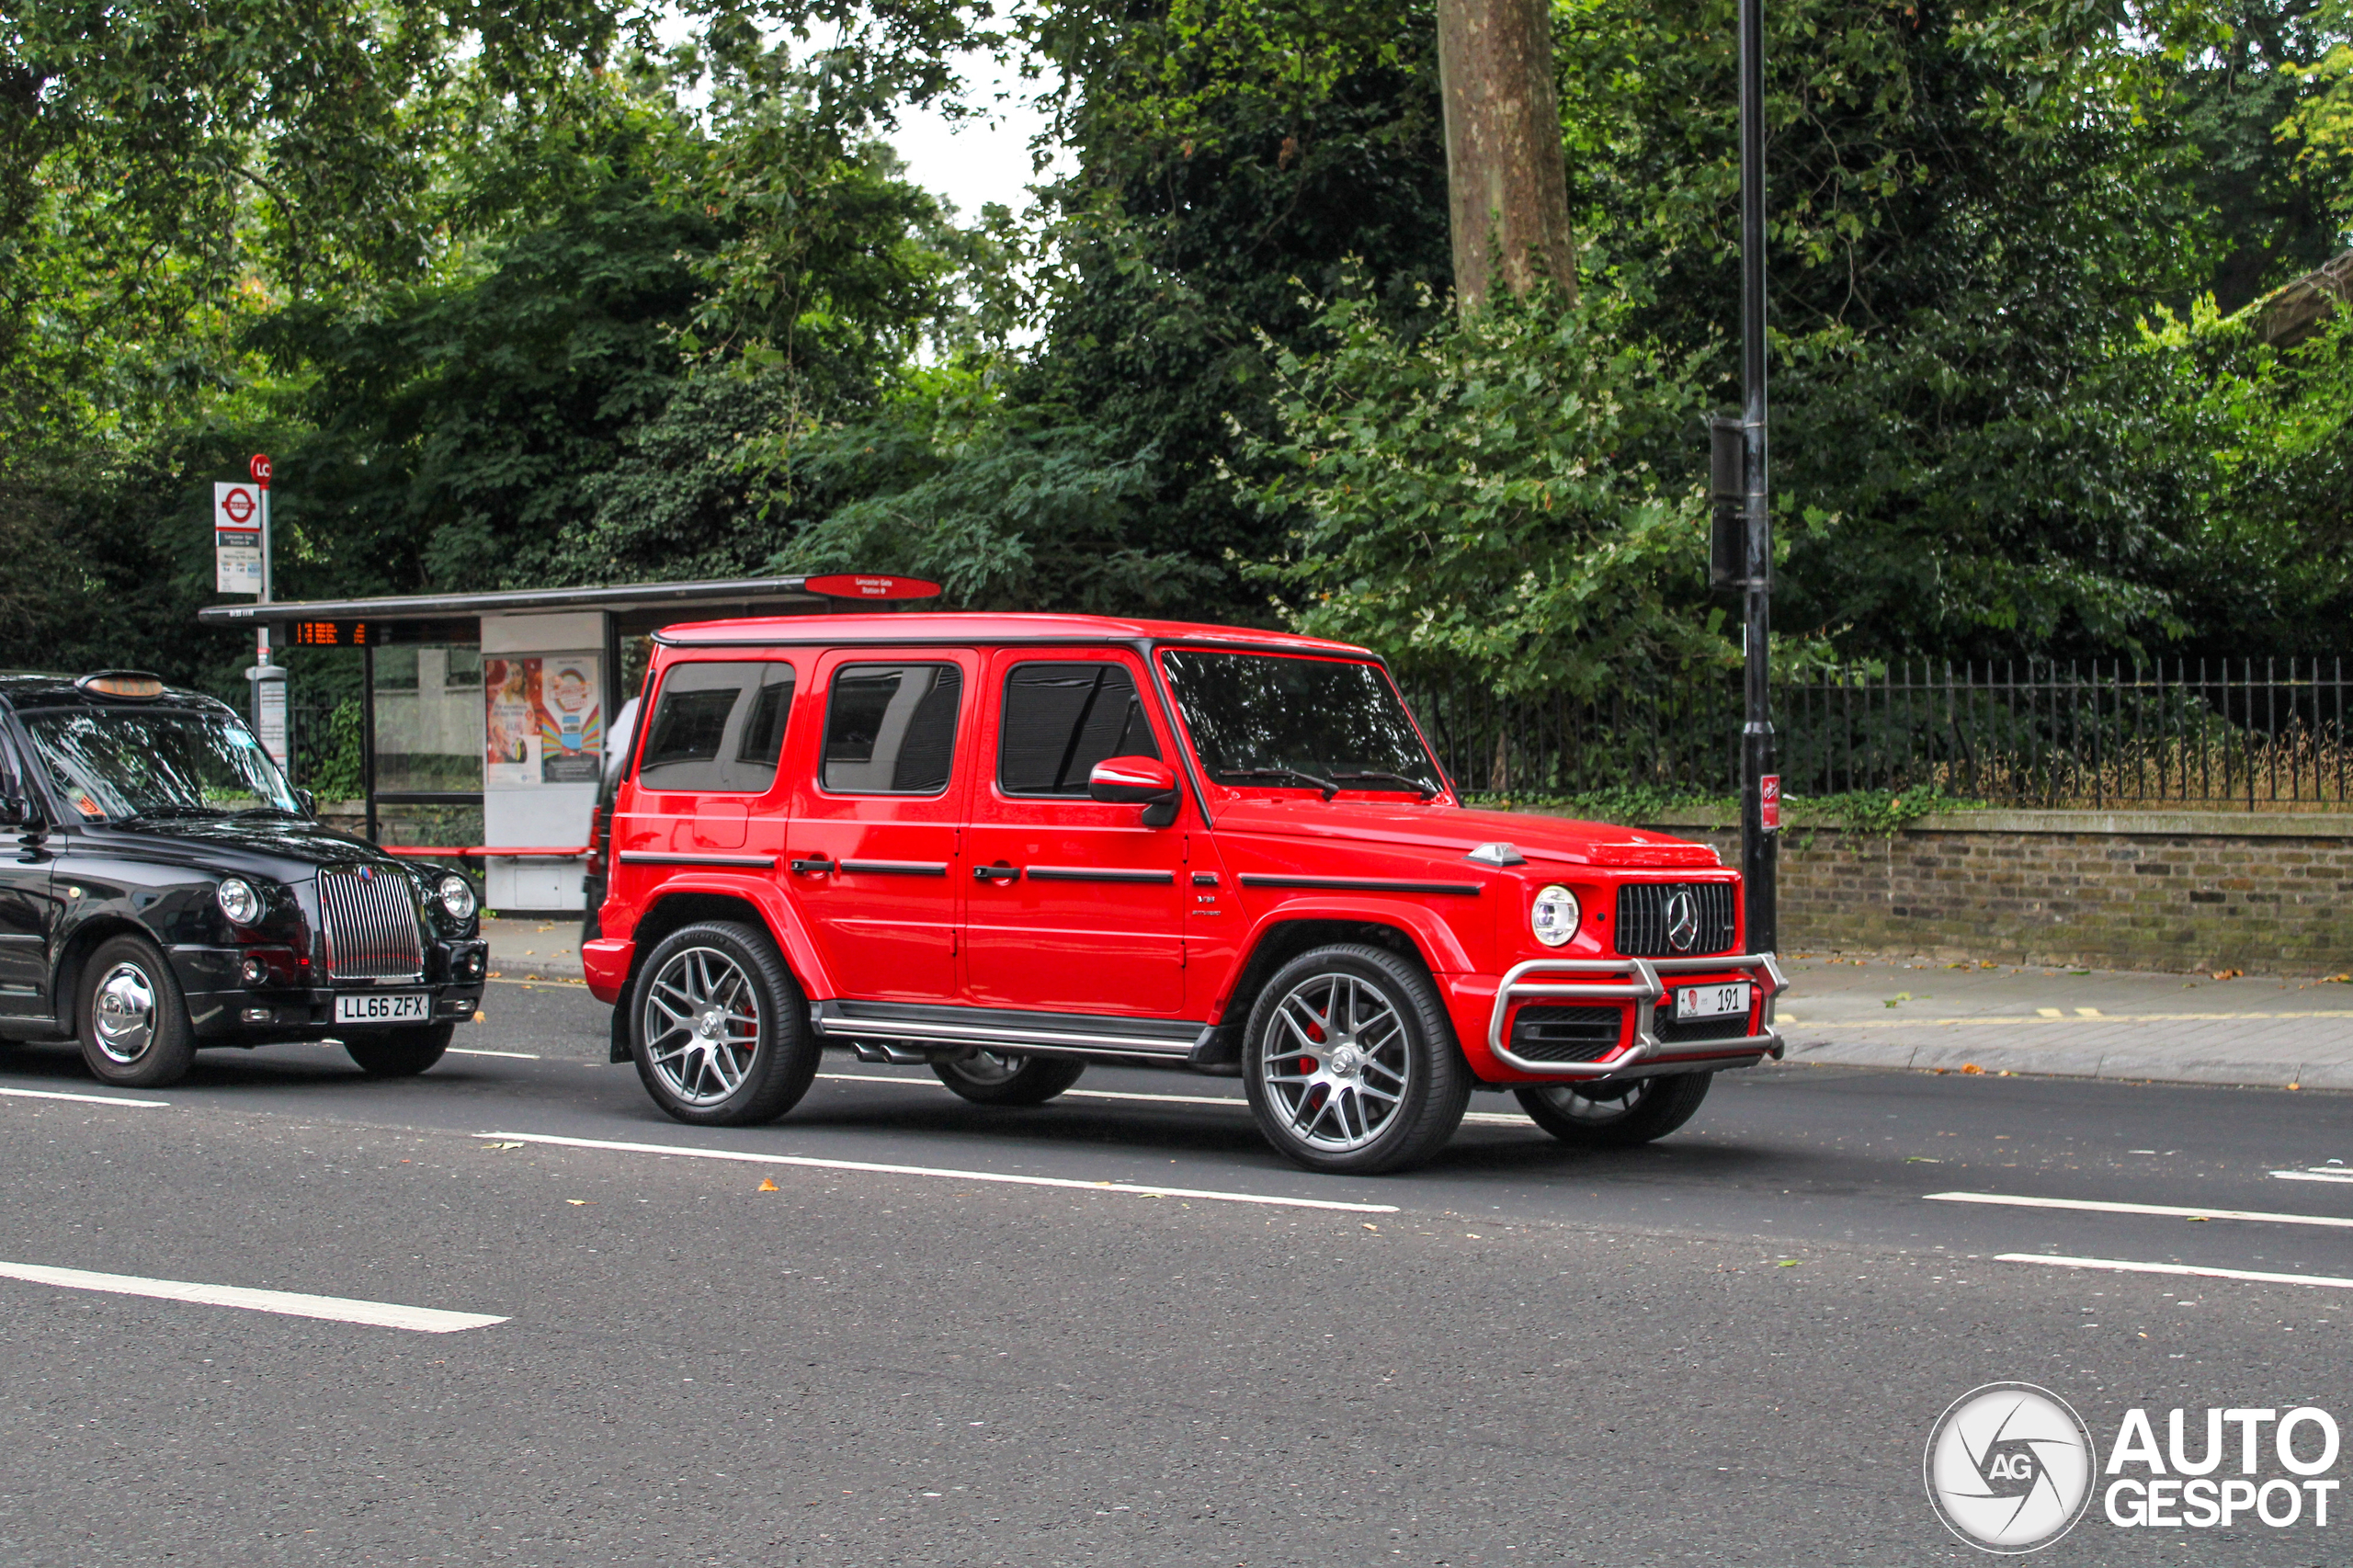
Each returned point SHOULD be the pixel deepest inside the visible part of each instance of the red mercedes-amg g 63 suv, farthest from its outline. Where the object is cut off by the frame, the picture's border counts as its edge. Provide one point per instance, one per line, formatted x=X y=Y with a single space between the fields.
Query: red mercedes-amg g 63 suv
x=1008 y=845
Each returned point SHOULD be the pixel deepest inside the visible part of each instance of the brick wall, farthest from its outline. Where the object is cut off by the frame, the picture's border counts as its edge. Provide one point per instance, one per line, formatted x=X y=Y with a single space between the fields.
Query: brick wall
x=2144 y=890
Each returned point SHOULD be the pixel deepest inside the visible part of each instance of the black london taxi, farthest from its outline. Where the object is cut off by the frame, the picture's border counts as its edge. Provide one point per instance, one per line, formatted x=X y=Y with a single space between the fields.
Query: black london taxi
x=169 y=891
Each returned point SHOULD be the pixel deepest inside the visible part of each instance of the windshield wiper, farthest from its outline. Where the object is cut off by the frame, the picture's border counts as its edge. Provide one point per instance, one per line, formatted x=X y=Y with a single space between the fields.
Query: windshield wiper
x=1312 y=780
x=167 y=814
x=267 y=811
x=1418 y=786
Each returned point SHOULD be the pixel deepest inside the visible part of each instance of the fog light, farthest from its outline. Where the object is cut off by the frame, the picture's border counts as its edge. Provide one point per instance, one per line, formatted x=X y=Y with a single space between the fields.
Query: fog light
x=257 y=1015
x=254 y=970
x=468 y=965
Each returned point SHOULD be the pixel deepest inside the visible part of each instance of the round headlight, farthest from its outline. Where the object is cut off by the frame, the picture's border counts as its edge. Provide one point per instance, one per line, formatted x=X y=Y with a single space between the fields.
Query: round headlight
x=1555 y=915
x=458 y=897
x=239 y=899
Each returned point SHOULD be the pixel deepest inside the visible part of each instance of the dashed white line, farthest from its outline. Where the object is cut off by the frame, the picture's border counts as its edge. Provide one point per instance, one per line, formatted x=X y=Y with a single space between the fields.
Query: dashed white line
x=1229 y=1101
x=2120 y=1267
x=2314 y=1175
x=1137 y=1189
x=2163 y=1210
x=86 y=1100
x=288 y=1303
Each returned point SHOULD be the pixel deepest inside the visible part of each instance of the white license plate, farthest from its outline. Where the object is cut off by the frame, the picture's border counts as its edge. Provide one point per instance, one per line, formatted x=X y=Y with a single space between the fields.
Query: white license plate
x=1711 y=1001
x=383 y=1008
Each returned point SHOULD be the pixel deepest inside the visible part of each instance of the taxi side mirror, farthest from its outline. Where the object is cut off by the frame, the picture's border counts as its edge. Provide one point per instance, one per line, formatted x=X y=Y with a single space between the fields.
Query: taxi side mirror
x=1144 y=781
x=15 y=812
x=308 y=801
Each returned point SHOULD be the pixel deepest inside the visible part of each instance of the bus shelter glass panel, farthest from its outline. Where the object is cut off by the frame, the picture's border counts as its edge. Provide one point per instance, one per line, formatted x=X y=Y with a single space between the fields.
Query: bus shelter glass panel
x=428 y=703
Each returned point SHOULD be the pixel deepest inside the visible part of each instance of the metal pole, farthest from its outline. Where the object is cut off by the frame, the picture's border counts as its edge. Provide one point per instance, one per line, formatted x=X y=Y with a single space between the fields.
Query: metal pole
x=1759 y=821
x=367 y=732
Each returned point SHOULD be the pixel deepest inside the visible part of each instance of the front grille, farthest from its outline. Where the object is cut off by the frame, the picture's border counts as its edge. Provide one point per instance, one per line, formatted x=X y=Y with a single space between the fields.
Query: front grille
x=370 y=926
x=1646 y=913
x=1565 y=1034
x=1670 y=1031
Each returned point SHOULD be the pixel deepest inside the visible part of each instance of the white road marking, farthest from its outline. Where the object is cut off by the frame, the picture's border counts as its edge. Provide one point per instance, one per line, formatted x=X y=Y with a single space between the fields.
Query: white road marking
x=86 y=1100
x=2316 y=1173
x=334 y=1308
x=1232 y=1101
x=517 y=1055
x=2120 y=1267
x=2165 y=1210
x=2044 y=1015
x=813 y=1163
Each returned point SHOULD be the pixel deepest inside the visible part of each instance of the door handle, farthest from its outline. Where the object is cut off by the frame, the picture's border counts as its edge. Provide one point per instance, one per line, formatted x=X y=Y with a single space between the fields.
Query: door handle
x=1000 y=872
x=817 y=866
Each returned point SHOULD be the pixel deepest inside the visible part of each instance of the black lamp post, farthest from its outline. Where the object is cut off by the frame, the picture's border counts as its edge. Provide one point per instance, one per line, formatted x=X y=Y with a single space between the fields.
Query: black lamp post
x=1740 y=550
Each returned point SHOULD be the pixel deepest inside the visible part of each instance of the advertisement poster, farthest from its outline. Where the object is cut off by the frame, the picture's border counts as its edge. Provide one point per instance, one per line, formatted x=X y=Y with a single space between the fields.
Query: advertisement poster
x=572 y=730
x=542 y=722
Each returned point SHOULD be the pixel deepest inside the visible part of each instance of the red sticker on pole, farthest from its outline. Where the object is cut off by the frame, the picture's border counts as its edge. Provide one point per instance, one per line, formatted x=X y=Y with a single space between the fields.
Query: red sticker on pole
x=863 y=586
x=259 y=466
x=1769 y=791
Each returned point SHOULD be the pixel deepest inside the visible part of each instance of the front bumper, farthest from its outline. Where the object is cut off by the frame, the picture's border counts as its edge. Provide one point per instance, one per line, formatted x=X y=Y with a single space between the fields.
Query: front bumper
x=1637 y=981
x=223 y=1010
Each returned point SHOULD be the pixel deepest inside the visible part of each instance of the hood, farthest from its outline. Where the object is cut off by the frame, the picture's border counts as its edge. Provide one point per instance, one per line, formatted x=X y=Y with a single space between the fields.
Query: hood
x=282 y=848
x=1453 y=831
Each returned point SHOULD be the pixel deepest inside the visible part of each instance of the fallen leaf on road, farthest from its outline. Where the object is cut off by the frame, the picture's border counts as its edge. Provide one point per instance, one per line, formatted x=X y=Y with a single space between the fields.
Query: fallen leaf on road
x=1899 y=996
x=1971 y=1067
x=2337 y=980
x=1787 y=1263
x=493 y=1148
x=767 y=1186
x=2229 y=973
x=579 y=1202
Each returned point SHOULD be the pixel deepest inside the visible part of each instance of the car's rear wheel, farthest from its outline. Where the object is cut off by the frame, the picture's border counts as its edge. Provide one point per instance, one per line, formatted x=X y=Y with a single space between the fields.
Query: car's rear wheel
x=991 y=1077
x=400 y=1053
x=131 y=1018
x=1622 y=1115
x=1351 y=1062
x=719 y=1028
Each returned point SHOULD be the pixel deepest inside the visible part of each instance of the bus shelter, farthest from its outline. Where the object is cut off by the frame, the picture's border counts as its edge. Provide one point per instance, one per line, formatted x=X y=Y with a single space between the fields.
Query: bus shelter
x=484 y=717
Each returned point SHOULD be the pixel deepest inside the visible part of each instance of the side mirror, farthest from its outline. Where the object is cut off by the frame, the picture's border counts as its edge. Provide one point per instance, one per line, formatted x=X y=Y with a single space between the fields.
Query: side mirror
x=15 y=812
x=1144 y=781
x=308 y=801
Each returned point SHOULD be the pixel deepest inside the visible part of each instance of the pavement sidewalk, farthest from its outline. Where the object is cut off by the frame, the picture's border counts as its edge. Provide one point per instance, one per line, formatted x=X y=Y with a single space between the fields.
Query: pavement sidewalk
x=1880 y=1012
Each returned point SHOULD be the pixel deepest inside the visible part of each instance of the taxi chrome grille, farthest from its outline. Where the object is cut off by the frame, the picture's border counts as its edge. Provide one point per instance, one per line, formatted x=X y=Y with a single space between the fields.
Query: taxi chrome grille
x=1544 y=1033
x=370 y=926
x=1651 y=918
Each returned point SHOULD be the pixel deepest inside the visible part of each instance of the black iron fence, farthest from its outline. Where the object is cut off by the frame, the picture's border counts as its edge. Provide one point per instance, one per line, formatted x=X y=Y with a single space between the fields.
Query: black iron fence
x=2245 y=734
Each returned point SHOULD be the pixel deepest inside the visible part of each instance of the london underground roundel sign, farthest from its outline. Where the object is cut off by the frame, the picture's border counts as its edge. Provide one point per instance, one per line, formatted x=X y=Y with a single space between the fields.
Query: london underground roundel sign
x=869 y=586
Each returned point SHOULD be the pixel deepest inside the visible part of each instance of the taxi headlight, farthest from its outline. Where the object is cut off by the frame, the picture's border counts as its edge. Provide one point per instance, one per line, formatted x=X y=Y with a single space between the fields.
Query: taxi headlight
x=240 y=900
x=456 y=896
x=1555 y=915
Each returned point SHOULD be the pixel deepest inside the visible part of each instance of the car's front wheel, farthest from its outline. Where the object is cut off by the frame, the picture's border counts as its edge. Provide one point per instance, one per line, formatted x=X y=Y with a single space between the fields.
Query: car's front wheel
x=400 y=1053
x=720 y=1029
x=132 y=1017
x=1351 y=1062
x=1619 y=1117
x=989 y=1077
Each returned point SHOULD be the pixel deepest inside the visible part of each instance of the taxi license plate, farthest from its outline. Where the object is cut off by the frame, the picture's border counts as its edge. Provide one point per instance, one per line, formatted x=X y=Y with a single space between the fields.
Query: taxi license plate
x=383 y=1008
x=1711 y=1001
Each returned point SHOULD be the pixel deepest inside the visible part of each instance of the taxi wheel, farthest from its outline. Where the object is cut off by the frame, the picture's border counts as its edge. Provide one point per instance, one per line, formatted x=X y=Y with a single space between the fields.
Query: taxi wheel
x=1351 y=1062
x=399 y=1054
x=719 y=1028
x=988 y=1077
x=131 y=1018
x=1632 y=1113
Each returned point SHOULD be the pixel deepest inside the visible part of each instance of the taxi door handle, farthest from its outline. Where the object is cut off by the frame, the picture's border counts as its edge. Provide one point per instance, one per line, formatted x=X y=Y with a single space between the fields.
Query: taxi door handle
x=819 y=866
x=997 y=873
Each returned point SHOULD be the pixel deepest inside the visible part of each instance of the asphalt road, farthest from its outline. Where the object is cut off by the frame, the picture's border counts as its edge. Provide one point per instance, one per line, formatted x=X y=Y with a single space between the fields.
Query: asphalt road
x=1726 y=1348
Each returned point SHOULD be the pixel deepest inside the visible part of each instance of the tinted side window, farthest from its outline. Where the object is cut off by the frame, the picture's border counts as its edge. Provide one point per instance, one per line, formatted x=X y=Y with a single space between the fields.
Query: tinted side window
x=1060 y=719
x=890 y=729
x=718 y=727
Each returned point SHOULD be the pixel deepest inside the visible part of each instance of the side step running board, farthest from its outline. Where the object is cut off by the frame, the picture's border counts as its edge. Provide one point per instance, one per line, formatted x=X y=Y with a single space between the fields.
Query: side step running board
x=909 y=1034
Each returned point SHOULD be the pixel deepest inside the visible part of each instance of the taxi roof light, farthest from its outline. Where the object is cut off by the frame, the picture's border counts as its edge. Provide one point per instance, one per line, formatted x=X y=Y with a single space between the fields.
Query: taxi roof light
x=124 y=685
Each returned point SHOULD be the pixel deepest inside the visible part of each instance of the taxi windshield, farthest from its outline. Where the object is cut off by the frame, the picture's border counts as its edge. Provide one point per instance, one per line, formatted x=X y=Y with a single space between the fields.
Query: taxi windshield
x=126 y=764
x=1327 y=724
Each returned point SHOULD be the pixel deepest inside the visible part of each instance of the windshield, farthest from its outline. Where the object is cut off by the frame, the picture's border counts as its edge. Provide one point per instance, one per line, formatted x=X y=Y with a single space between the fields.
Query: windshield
x=115 y=764
x=1299 y=723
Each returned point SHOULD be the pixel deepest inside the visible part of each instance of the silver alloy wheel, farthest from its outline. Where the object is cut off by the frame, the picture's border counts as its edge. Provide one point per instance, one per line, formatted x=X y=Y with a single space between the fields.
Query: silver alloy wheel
x=1335 y=1061
x=1587 y=1112
x=990 y=1067
x=701 y=1025
x=123 y=1014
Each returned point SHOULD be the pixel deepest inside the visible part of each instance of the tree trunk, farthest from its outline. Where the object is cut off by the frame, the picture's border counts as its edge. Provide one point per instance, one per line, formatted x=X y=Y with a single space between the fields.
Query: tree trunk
x=1508 y=181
